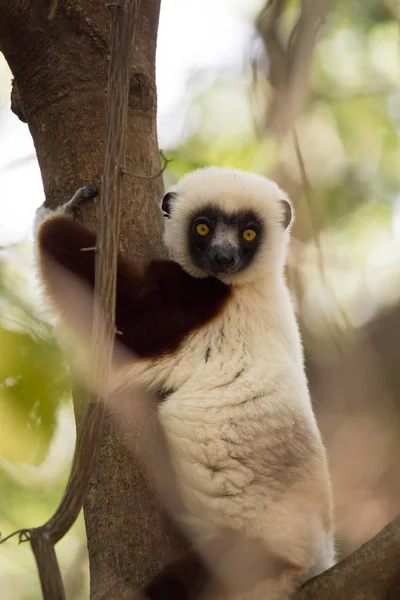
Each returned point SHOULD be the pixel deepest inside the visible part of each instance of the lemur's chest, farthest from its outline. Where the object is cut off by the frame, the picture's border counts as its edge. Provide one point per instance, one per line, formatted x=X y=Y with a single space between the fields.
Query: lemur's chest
x=237 y=341
x=218 y=352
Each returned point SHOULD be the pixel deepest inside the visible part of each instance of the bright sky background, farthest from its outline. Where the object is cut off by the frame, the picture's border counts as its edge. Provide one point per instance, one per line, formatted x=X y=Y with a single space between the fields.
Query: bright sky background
x=193 y=37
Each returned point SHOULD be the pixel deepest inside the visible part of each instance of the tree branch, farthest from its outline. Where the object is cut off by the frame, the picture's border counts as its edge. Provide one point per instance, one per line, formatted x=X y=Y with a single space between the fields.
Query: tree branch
x=288 y=60
x=371 y=573
x=46 y=560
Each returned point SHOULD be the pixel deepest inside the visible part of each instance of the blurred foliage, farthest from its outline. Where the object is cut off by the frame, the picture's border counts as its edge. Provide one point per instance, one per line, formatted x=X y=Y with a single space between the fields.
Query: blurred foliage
x=349 y=132
x=33 y=386
x=36 y=433
x=33 y=378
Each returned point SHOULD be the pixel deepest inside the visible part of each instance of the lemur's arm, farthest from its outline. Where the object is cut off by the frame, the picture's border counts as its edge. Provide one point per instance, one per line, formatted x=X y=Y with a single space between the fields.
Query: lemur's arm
x=155 y=308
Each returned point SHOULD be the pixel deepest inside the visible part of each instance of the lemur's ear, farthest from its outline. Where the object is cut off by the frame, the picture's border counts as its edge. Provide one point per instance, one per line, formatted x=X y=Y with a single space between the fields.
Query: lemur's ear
x=166 y=203
x=287 y=215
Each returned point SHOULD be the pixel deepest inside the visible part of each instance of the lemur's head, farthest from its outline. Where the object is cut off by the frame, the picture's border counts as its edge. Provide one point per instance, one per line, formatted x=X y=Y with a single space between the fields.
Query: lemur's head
x=227 y=224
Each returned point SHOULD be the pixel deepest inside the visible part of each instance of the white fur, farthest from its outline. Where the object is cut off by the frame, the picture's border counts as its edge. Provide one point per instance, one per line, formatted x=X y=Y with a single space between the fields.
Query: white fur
x=43 y=213
x=239 y=420
x=234 y=437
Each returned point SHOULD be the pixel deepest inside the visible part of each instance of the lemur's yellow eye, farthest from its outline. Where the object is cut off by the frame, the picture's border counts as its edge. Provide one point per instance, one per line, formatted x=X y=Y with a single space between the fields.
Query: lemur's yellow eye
x=249 y=235
x=202 y=229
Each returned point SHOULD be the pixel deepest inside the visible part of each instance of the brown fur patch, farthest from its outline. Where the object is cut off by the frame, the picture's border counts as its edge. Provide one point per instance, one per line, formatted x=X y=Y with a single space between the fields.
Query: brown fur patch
x=155 y=309
x=183 y=579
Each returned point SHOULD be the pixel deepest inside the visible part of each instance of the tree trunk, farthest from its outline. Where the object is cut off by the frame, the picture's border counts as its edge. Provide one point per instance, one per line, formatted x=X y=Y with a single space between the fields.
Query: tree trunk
x=60 y=69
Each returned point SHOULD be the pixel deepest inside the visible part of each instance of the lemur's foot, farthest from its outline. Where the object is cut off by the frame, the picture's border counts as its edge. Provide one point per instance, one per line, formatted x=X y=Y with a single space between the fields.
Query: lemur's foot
x=91 y=190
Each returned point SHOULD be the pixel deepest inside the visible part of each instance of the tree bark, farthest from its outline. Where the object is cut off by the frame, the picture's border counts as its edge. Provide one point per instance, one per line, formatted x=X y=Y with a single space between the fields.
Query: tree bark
x=370 y=573
x=60 y=69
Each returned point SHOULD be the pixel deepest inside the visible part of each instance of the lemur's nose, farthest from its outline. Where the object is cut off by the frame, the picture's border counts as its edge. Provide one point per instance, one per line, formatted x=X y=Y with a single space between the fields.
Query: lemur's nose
x=224 y=259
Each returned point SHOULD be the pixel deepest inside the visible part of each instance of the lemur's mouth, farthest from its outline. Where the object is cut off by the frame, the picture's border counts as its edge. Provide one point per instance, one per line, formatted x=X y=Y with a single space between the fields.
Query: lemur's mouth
x=219 y=272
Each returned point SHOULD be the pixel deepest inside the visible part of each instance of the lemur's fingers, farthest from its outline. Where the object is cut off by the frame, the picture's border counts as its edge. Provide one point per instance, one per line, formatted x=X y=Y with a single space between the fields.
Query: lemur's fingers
x=91 y=190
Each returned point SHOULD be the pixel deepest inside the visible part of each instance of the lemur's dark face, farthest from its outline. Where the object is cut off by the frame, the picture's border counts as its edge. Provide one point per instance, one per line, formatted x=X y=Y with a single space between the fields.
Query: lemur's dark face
x=227 y=224
x=222 y=243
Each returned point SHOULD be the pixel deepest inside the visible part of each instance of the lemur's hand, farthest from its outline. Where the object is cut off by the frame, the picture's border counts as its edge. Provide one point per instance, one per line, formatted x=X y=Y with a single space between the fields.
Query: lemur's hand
x=91 y=190
x=68 y=208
